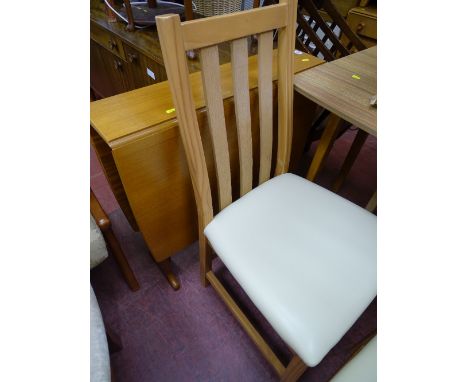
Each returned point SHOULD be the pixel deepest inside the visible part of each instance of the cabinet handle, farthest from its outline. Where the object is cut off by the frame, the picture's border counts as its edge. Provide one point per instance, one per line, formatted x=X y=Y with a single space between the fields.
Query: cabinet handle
x=132 y=57
x=112 y=44
x=117 y=65
x=360 y=27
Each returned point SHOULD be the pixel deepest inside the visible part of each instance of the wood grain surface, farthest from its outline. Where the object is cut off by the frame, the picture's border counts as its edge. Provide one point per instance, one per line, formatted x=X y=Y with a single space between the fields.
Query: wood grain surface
x=345 y=87
x=232 y=26
x=118 y=117
x=145 y=145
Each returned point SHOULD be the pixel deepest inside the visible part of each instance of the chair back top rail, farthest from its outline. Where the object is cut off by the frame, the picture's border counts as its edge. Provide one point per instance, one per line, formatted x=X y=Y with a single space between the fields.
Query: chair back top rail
x=200 y=33
x=205 y=34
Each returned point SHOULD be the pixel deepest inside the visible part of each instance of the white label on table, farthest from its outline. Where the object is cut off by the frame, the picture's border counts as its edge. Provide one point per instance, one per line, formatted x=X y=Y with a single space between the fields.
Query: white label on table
x=298 y=52
x=150 y=73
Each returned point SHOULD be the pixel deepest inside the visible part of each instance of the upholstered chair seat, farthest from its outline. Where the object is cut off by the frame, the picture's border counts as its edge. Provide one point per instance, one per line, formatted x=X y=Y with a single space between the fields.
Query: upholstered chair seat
x=305 y=256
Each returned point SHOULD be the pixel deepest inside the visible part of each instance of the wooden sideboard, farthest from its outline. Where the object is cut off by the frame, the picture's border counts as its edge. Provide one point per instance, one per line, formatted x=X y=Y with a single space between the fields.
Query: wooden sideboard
x=363 y=22
x=137 y=142
x=122 y=61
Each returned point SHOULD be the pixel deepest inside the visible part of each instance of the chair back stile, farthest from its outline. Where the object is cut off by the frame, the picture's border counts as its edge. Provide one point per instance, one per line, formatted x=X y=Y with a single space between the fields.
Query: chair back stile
x=205 y=34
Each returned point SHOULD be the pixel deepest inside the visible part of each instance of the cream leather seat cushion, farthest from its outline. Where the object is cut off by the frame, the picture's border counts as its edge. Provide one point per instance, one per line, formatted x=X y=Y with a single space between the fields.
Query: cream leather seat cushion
x=362 y=368
x=305 y=256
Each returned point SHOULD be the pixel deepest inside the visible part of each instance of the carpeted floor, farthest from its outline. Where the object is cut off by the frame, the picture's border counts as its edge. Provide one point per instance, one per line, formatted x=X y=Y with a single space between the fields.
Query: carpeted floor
x=189 y=335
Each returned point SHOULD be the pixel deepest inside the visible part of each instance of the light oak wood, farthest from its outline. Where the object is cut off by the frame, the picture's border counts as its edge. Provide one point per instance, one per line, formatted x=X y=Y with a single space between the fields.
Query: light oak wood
x=214 y=104
x=266 y=351
x=199 y=33
x=345 y=87
x=372 y=204
x=265 y=102
x=133 y=115
x=325 y=144
x=177 y=73
x=240 y=81
x=157 y=187
x=172 y=45
x=286 y=37
x=295 y=369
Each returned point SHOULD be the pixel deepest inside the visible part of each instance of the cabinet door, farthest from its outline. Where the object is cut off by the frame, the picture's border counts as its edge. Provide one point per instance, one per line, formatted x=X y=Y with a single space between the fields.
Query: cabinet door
x=110 y=75
x=144 y=70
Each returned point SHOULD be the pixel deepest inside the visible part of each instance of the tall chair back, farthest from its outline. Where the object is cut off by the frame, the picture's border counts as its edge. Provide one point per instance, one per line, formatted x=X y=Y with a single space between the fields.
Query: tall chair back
x=205 y=34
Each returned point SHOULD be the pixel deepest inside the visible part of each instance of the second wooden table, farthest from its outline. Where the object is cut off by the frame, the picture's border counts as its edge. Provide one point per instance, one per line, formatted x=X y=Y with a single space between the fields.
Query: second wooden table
x=344 y=87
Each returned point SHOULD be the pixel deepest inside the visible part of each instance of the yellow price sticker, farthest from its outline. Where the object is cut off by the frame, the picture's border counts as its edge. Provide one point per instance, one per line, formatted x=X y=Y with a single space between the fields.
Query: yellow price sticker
x=169 y=111
x=356 y=76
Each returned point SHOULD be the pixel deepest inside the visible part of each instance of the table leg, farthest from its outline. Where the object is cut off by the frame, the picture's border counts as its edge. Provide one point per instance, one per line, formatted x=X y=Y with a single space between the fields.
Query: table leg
x=358 y=142
x=326 y=142
x=166 y=268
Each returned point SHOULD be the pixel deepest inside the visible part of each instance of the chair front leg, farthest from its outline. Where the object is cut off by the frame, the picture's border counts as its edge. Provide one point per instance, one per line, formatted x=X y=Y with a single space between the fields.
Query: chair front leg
x=295 y=369
x=206 y=259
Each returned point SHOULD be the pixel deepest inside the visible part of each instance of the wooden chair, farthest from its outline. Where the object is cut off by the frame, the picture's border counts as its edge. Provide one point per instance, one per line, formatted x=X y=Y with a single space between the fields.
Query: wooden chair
x=290 y=244
x=104 y=224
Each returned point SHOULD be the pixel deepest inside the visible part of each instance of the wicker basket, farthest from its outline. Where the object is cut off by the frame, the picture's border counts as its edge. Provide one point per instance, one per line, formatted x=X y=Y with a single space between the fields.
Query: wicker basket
x=217 y=7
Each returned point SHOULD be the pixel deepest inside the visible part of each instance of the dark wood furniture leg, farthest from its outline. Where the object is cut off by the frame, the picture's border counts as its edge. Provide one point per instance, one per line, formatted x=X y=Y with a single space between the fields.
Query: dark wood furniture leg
x=356 y=146
x=166 y=268
x=188 y=10
x=113 y=341
x=326 y=142
x=103 y=222
x=131 y=21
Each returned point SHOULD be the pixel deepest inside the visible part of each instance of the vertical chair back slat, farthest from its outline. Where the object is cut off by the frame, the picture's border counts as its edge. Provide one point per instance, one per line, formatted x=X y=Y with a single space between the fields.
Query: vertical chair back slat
x=240 y=84
x=205 y=34
x=286 y=38
x=265 y=101
x=209 y=59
